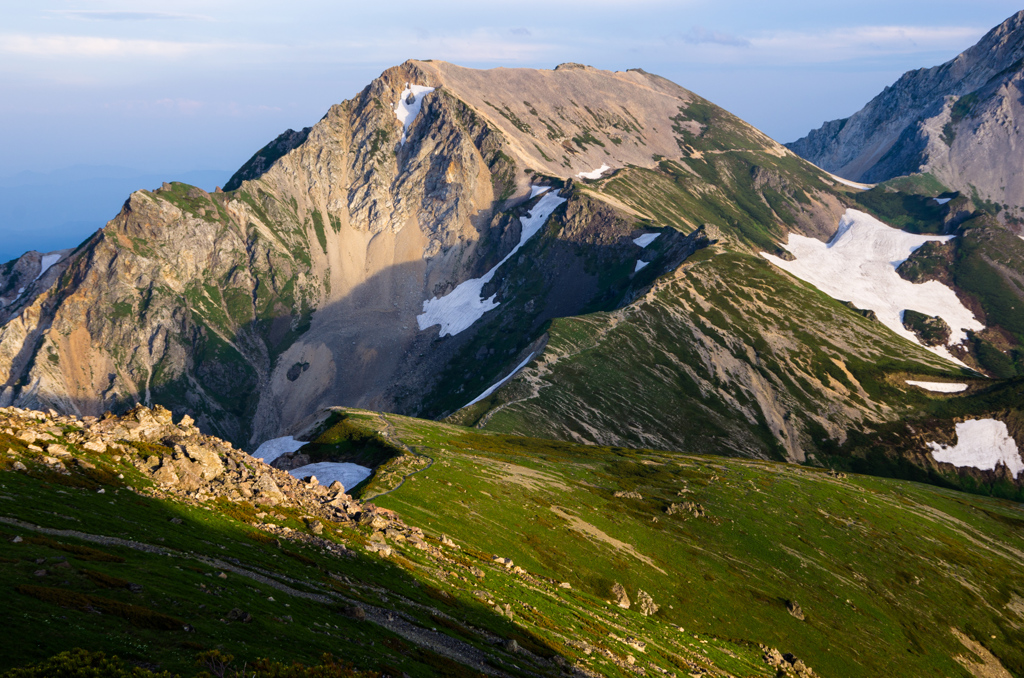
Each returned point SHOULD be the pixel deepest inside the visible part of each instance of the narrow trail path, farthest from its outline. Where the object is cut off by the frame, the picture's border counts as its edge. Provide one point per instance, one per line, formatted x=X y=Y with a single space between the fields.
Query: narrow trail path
x=392 y=436
x=393 y=620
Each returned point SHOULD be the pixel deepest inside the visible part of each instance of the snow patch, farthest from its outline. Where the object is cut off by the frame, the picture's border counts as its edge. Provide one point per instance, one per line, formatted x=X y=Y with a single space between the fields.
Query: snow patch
x=463 y=306
x=537 y=190
x=594 y=174
x=646 y=239
x=497 y=385
x=48 y=261
x=981 y=444
x=406 y=112
x=640 y=265
x=939 y=386
x=327 y=472
x=851 y=184
x=271 y=449
x=859 y=266
x=942 y=201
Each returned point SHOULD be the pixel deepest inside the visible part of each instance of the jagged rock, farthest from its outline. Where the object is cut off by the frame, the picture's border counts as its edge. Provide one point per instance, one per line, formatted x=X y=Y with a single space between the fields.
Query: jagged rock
x=620 y=596
x=646 y=603
x=623 y=494
x=267 y=490
x=795 y=609
x=165 y=475
x=693 y=508
x=18 y=466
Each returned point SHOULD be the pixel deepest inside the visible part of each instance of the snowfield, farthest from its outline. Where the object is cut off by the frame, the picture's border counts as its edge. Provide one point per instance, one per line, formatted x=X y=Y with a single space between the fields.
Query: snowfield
x=47 y=261
x=406 y=112
x=271 y=449
x=939 y=386
x=463 y=306
x=327 y=472
x=982 y=444
x=640 y=265
x=645 y=240
x=594 y=174
x=498 y=384
x=942 y=201
x=859 y=266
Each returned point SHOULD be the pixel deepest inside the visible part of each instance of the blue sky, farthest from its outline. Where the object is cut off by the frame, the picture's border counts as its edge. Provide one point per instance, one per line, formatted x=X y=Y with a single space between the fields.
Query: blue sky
x=201 y=85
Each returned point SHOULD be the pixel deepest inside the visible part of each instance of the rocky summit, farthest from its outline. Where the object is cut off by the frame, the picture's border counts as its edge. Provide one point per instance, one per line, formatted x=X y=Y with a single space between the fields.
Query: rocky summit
x=958 y=122
x=531 y=372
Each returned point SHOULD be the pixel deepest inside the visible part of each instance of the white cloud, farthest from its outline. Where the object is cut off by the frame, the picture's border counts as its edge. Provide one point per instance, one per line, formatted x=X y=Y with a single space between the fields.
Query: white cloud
x=111 y=15
x=93 y=47
x=845 y=43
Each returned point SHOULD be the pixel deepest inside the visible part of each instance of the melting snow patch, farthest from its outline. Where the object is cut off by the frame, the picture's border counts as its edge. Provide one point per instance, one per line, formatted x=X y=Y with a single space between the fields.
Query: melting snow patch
x=981 y=444
x=646 y=239
x=939 y=386
x=852 y=184
x=537 y=190
x=327 y=472
x=942 y=201
x=640 y=265
x=495 y=387
x=406 y=112
x=595 y=174
x=463 y=306
x=270 y=450
x=859 y=265
x=47 y=261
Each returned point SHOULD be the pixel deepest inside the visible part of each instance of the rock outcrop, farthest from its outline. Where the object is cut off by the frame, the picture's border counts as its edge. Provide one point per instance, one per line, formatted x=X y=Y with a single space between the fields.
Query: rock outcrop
x=958 y=121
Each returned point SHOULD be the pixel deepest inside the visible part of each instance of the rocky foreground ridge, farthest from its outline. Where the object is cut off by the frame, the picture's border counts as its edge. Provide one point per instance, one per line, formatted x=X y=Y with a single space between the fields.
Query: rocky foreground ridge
x=959 y=121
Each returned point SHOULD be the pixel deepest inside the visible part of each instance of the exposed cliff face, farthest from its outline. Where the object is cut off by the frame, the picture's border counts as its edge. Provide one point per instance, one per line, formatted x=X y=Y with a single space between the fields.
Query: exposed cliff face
x=958 y=121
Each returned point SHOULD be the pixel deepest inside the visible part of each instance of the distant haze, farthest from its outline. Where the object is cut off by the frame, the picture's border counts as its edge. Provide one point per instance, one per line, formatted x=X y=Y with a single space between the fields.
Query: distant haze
x=109 y=83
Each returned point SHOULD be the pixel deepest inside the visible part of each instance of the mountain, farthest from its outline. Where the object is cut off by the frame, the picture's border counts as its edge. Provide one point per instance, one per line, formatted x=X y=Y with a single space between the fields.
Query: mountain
x=958 y=122
x=61 y=208
x=471 y=553
x=603 y=257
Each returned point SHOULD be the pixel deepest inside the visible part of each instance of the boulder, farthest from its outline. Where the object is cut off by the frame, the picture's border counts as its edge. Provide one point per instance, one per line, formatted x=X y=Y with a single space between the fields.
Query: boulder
x=646 y=603
x=620 y=596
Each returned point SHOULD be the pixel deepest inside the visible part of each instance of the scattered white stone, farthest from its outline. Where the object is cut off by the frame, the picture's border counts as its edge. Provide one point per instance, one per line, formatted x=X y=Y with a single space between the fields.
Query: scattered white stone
x=982 y=444
x=939 y=386
x=463 y=306
x=405 y=111
x=646 y=239
x=859 y=266
x=271 y=449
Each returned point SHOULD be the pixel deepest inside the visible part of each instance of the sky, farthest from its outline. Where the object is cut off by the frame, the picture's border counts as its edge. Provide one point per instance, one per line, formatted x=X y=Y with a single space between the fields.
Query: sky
x=170 y=88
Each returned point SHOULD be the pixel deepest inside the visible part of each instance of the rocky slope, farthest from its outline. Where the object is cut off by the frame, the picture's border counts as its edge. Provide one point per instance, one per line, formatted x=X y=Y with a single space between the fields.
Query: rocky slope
x=958 y=121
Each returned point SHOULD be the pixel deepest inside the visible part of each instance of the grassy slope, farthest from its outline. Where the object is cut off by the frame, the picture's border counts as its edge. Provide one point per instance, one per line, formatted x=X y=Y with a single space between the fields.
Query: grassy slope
x=715 y=359
x=882 y=569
